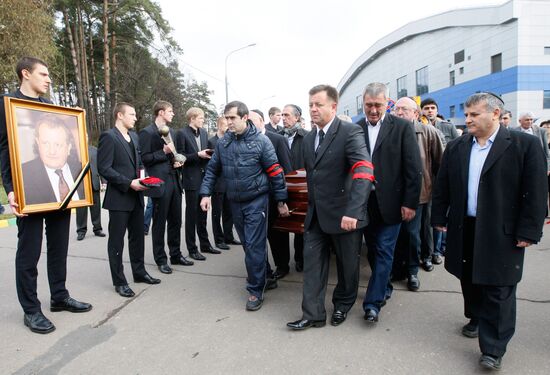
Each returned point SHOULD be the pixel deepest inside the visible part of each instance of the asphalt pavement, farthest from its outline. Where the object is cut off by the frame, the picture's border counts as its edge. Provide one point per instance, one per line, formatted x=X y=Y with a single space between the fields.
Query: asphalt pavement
x=195 y=322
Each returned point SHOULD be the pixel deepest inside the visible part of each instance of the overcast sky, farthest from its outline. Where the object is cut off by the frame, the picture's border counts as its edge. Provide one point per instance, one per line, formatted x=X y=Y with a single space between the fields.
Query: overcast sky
x=298 y=43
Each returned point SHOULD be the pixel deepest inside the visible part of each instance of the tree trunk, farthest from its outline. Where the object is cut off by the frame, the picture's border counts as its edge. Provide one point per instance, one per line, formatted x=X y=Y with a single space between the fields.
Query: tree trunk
x=95 y=103
x=106 y=63
x=74 y=57
x=83 y=63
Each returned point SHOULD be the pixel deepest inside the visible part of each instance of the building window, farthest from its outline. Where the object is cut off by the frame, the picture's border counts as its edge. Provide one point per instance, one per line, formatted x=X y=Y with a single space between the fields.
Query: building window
x=452 y=111
x=459 y=57
x=401 y=87
x=547 y=50
x=452 y=78
x=496 y=63
x=359 y=103
x=461 y=70
x=546 y=100
x=422 y=81
x=461 y=107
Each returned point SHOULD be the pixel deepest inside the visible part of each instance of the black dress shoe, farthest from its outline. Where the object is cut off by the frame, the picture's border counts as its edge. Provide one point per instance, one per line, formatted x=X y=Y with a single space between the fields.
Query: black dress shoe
x=165 y=268
x=124 y=291
x=471 y=330
x=299 y=266
x=233 y=242
x=271 y=284
x=305 y=324
x=80 y=236
x=427 y=265
x=100 y=233
x=147 y=279
x=371 y=316
x=490 y=362
x=436 y=259
x=211 y=250
x=181 y=260
x=223 y=246
x=38 y=323
x=197 y=256
x=279 y=274
x=71 y=305
x=338 y=317
x=413 y=284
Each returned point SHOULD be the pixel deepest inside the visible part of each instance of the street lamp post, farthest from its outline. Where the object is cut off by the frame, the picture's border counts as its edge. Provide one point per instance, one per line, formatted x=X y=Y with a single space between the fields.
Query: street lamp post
x=226 y=57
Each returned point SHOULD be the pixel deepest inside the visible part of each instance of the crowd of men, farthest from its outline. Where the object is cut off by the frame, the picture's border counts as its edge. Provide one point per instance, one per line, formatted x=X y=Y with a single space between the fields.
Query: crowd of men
x=403 y=181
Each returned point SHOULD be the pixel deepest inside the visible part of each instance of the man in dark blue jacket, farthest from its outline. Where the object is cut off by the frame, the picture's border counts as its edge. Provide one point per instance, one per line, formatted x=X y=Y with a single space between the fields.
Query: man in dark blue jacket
x=247 y=161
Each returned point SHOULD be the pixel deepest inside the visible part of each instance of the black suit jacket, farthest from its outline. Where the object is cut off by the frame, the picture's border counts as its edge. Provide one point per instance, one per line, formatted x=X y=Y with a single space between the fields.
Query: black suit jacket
x=397 y=167
x=281 y=149
x=195 y=166
x=297 y=149
x=118 y=165
x=511 y=203
x=220 y=182
x=156 y=162
x=37 y=184
x=332 y=193
x=270 y=128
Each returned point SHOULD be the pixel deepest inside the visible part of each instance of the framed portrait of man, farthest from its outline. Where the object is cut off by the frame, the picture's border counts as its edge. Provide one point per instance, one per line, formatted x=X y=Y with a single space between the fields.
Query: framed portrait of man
x=49 y=156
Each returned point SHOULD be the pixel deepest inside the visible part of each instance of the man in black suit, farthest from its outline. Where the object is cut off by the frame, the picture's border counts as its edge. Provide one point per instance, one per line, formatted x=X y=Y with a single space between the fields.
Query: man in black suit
x=119 y=163
x=274 y=120
x=221 y=207
x=391 y=143
x=490 y=197
x=158 y=158
x=193 y=144
x=294 y=134
x=55 y=163
x=35 y=81
x=339 y=179
x=95 y=210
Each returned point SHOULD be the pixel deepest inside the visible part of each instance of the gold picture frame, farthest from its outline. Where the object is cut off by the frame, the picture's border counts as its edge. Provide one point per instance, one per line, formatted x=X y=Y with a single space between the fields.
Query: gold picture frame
x=49 y=158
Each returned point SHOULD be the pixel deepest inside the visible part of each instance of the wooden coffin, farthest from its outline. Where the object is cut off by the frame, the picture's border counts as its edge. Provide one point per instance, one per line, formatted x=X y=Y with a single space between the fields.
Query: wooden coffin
x=297 y=203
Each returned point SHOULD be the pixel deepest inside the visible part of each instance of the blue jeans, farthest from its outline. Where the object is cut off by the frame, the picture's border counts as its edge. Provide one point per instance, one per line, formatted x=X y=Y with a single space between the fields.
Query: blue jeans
x=148 y=214
x=250 y=220
x=440 y=242
x=380 y=239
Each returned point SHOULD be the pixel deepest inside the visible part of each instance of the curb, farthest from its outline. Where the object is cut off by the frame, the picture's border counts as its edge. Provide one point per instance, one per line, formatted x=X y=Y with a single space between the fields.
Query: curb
x=7 y=223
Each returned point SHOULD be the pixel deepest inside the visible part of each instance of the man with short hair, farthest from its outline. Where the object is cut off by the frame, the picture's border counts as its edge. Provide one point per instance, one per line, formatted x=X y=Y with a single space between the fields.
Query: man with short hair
x=158 y=157
x=506 y=118
x=489 y=226
x=221 y=208
x=392 y=145
x=246 y=159
x=526 y=120
x=294 y=134
x=119 y=162
x=193 y=144
x=339 y=179
x=35 y=81
x=274 y=120
x=431 y=151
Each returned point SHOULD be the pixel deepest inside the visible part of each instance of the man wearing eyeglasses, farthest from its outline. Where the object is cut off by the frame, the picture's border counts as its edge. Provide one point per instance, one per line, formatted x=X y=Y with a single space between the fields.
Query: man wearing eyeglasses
x=526 y=120
x=392 y=145
x=489 y=226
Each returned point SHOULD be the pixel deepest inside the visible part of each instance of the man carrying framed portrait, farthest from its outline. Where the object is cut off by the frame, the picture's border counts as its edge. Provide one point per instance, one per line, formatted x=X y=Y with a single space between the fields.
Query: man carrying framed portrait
x=34 y=80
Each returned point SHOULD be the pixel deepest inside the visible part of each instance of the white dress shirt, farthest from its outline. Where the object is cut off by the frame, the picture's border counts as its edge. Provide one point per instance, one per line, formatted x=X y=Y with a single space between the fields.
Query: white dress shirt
x=54 y=181
x=325 y=130
x=373 y=131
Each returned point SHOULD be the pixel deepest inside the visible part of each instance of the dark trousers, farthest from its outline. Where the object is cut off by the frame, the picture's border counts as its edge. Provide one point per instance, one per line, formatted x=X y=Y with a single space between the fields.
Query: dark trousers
x=167 y=210
x=221 y=213
x=412 y=231
x=95 y=212
x=426 y=232
x=29 y=245
x=279 y=242
x=195 y=220
x=318 y=244
x=493 y=306
x=148 y=215
x=250 y=219
x=119 y=221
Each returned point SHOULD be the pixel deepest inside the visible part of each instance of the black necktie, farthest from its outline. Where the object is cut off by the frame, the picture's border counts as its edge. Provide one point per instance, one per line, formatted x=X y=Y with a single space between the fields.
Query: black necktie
x=321 y=137
x=63 y=187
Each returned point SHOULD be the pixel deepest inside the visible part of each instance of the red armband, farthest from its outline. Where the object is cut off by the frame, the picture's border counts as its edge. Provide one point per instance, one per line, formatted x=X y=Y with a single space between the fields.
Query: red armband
x=274 y=170
x=358 y=175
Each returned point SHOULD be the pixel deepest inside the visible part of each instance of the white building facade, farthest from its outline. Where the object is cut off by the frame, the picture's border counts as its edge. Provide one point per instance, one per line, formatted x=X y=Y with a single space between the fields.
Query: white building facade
x=503 y=49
